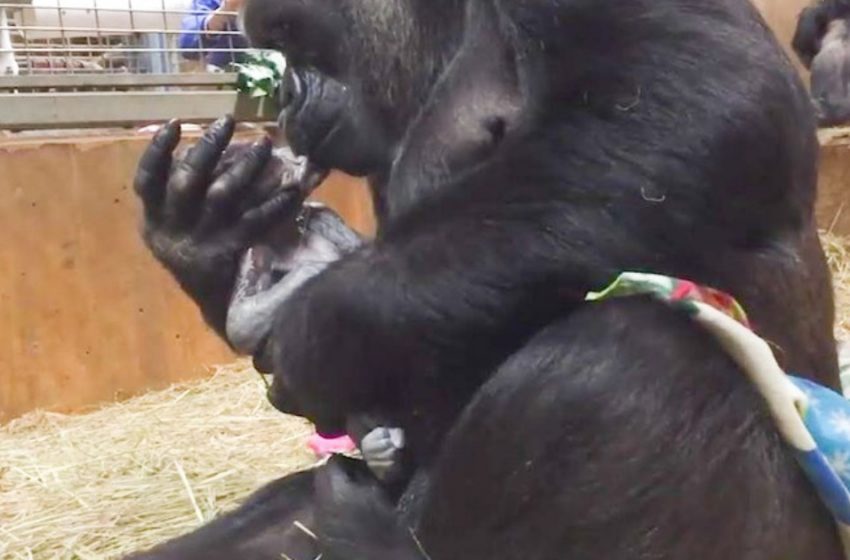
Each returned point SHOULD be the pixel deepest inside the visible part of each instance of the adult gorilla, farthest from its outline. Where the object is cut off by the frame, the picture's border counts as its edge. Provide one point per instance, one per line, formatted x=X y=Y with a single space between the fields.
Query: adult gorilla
x=522 y=153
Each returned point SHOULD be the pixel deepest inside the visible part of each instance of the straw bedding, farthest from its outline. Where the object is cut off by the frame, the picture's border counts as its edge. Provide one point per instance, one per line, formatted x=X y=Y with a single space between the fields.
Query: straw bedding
x=97 y=486
x=838 y=253
x=100 y=485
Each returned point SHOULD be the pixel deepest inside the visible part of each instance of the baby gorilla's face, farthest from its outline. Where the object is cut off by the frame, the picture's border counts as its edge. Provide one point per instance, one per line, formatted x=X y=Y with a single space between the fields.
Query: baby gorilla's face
x=305 y=242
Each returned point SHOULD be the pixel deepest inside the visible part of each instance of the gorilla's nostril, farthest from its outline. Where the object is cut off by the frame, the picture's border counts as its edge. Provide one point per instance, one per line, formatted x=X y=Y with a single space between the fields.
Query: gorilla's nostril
x=291 y=90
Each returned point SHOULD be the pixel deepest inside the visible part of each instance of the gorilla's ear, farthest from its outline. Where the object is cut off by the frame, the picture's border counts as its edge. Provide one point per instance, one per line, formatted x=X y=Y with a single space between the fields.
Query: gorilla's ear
x=475 y=104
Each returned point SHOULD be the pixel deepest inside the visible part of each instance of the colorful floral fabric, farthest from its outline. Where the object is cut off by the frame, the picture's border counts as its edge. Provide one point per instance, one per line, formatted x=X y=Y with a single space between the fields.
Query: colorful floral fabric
x=813 y=420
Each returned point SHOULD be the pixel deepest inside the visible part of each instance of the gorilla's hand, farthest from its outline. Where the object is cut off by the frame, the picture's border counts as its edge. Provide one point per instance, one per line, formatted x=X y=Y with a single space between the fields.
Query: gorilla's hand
x=202 y=211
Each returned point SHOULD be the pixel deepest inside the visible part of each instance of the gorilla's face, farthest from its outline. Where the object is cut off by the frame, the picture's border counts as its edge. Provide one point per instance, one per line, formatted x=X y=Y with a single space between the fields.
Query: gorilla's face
x=413 y=91
x=358 y=71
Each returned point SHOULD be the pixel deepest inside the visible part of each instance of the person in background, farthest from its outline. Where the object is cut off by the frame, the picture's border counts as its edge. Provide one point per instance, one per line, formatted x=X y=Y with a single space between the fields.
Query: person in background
x=212 y=25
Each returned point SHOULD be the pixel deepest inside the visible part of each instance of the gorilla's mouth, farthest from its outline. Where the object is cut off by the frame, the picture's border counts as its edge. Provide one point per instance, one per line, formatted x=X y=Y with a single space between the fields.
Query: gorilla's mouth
x=291 y=91
x=313 y=115
x=327 y=138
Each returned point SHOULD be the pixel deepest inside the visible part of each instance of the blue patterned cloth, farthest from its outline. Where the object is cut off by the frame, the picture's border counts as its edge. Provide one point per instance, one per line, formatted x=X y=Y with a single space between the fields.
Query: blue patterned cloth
x=827 y=417
x=813 y=420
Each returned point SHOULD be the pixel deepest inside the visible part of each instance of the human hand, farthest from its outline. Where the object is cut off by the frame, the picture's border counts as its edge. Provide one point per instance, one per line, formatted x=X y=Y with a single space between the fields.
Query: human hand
x=232 y=5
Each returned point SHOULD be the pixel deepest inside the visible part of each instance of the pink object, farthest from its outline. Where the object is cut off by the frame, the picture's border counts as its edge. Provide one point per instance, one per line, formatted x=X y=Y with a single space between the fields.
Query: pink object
x=323 y=447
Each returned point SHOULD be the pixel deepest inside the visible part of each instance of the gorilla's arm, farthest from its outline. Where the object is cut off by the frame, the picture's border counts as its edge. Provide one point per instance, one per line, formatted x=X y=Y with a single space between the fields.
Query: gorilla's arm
x=812 y=25
x=438 y=301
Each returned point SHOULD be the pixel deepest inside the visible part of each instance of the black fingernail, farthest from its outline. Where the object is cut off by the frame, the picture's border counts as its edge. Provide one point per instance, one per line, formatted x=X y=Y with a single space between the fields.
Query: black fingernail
x=164 y=129
x=169 y=132
x=222 y=122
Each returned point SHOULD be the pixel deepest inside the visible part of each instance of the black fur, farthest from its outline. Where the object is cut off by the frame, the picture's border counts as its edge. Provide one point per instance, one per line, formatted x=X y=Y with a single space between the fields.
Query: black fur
x=665 y=160
x=536 y=149
x=263 y=528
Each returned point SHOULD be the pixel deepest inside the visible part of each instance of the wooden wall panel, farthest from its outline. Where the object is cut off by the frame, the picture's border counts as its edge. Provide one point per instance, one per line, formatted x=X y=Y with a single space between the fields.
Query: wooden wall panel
x=86 y=314
x=833 y=209
x=781 y=16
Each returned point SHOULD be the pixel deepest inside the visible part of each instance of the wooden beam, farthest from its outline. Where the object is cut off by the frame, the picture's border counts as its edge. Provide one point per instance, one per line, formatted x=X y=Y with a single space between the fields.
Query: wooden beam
x=23 y=111
x=109 y=81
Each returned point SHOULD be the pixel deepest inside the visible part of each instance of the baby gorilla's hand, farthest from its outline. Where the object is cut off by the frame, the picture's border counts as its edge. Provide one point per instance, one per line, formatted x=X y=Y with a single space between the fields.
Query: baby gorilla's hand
x=382 y=449
x=381 y=446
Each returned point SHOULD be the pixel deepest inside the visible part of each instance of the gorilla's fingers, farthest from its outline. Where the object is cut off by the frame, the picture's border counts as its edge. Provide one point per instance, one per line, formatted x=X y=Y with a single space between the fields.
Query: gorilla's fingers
x=154 y=166
x=223 y=195
x=257 y=220
x=189 y=181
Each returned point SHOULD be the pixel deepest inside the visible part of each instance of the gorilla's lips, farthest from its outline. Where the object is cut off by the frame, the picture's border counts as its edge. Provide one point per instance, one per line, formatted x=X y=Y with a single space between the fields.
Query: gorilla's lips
x=310 y=106
x=323 y=120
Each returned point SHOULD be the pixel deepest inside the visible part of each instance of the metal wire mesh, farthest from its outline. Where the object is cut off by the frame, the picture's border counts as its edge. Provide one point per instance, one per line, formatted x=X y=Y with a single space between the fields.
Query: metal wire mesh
x=108 y=63
x=60 y=37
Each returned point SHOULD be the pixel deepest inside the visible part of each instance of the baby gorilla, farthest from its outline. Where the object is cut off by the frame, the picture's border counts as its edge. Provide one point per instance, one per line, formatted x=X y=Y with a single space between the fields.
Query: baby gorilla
x=269 y=274
x=308 y=239
x=273 y=269
x=303 y=239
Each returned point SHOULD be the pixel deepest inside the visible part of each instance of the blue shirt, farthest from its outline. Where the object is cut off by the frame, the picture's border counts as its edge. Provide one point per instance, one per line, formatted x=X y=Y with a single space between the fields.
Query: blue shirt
x=195 y=36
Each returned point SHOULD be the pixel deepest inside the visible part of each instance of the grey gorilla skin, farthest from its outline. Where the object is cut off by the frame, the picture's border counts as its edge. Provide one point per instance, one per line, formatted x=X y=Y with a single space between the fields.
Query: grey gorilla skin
x=521 y=154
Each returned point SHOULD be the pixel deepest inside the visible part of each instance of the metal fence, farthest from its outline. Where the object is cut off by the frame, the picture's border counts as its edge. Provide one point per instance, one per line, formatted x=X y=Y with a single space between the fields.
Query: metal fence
x=95 y=63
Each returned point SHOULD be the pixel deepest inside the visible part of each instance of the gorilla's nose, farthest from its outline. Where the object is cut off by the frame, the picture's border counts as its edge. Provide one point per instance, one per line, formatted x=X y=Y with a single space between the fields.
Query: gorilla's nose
x=291 y=92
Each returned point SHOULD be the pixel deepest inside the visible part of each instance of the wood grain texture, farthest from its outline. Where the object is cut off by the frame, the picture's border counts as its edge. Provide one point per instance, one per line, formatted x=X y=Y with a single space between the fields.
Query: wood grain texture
x=86 y=314
x=833 y=208
x=781 y=16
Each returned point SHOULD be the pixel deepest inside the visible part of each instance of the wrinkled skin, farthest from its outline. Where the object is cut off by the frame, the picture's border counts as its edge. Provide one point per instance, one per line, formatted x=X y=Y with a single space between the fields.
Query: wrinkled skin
x=822 y=43
x=520 y=155
x=206 y=208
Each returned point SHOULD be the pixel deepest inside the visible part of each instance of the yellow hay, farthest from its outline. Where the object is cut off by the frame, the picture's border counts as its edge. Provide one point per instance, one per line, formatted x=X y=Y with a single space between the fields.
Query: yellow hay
x=838 y=254
x=97 y=486
x=103 y=484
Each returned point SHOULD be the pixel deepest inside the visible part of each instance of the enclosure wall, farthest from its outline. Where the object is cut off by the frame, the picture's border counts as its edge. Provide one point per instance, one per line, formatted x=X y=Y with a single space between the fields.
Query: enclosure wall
x=86 y=314
x=781 y=16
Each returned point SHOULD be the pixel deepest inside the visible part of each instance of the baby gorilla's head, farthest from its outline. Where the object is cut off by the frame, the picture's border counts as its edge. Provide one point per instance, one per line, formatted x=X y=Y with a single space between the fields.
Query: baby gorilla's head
x=301 y=245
